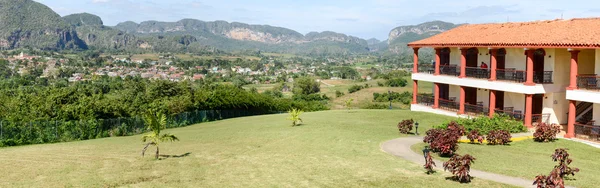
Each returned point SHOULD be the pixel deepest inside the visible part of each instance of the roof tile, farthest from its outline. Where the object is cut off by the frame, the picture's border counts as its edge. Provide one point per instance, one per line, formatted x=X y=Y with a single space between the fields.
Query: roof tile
x=579 y=32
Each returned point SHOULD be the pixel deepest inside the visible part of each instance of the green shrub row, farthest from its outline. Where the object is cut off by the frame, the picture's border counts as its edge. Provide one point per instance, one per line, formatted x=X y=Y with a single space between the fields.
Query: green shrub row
x=485 y=124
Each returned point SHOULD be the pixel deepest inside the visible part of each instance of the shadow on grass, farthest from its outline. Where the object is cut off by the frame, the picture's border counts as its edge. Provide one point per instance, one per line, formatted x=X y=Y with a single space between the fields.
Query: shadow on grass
x=455 y=179
x=161 y=157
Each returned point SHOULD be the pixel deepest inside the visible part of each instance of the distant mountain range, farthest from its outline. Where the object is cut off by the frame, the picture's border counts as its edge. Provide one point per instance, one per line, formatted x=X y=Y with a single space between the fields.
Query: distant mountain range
x=26 y=23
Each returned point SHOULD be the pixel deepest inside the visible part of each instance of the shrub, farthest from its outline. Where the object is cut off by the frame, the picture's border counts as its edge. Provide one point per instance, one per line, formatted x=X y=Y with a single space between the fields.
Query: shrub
x=405 y=97
x=556 y=176
x=405 y=126
x=546 y=132
x=396 y=82
x=444 y=141
x=474 y=135
x=380 y=84
x=429 y=164
x=349 y=104
x=498 y=137
x=338 y=93
x=355 y=88
x=460 y=166
x=295 y=117
x=374 y=106
x=484 y=124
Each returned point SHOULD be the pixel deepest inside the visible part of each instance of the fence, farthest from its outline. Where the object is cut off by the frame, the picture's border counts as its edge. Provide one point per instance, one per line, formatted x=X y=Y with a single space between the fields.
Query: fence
x=22 y=133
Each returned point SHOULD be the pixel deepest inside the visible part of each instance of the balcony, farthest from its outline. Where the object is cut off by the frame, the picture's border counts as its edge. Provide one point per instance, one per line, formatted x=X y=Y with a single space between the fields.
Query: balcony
x=476 y=72
x=588 y=131
x=450 y=70
x=509 y=74
x=589 y=82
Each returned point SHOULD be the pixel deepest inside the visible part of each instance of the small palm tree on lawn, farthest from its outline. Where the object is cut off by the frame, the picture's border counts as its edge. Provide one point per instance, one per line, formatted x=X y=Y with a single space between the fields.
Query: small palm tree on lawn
x=156 y=122
x=295 y=117
x=349 y=104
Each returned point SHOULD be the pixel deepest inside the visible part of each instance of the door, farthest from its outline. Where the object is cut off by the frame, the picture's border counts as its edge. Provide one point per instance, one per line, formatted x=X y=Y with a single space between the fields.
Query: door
x=537 y=104
x=499 y=100
x=445 y=91
x=472 y=54
x=538 y=65
x=501 y=59
x=471 y=95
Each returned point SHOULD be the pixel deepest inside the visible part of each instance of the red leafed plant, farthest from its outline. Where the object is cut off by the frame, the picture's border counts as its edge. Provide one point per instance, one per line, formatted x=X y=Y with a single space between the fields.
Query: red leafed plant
x=556 y=177
x=499 y=137
x=429 y=164
x=405 y=126
x=444 y=141
x=546 y=132
x=474 y=135
x=460 y=166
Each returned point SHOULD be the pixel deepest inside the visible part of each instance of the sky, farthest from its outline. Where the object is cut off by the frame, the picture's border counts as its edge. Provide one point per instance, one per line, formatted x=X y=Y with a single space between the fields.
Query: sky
x=361 y=18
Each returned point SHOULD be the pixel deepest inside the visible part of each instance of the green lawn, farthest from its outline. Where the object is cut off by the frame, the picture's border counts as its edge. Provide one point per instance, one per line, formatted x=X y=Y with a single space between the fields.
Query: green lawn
x=331 y=149
x=528 y=159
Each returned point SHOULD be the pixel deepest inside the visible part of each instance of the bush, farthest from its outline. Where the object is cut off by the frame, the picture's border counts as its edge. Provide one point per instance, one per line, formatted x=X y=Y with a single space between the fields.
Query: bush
x=405 y=126
x=355 y=88
x=444 y=141
x=396 y=82
x=374 y=106
x=474 y=135
x=556 y=176
x=429 y=164
x=460 y=167
x=380 y=84
x=485 y=124
x=546 y=132
x=338 y=93
x=498 y=137
x=405 y=97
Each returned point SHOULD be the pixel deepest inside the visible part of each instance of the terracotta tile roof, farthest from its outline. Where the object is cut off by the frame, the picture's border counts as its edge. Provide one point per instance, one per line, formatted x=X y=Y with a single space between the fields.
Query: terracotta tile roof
x=574 y=33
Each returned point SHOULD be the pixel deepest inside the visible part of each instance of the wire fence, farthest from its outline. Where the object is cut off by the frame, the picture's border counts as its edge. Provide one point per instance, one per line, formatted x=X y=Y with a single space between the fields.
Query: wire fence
x=39 y=132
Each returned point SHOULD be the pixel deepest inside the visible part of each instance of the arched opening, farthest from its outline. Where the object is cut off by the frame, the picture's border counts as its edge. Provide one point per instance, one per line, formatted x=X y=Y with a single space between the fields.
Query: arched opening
x=472 y=54
x=445 y=56
x=538 y=65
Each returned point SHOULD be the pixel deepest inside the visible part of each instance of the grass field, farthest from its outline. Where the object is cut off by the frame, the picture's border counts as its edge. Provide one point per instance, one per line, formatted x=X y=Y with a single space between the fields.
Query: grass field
x=331 y=149
x=528 y=159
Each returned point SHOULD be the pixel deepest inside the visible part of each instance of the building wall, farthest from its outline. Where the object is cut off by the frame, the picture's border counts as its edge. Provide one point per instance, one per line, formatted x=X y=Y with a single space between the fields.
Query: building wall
x=454 y=56
x=483 y=95
x=586 y=62
x=597 y=68
x=515 y=58
x=515 y=100
x=455 y=92
x=563 y=67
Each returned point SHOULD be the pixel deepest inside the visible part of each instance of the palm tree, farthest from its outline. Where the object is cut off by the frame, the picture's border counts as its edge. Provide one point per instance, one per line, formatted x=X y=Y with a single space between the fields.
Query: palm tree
x=156 y=122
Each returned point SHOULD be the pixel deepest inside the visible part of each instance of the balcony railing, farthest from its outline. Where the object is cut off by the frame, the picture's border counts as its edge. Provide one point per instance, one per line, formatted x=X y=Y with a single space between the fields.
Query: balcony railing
x=588 y=132
x=588 y=82
x=516 y=114
x=511 y=75
x=426 y=100
x=543 y=77
x=450 y=70
x=475 y=72
x=478 y=109
x=520 y=76
x=540 y=118
x=426 y=68
x=449 y=105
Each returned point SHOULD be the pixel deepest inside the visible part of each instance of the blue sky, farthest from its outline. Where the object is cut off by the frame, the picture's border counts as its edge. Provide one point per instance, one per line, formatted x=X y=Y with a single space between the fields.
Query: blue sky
x=362 y=18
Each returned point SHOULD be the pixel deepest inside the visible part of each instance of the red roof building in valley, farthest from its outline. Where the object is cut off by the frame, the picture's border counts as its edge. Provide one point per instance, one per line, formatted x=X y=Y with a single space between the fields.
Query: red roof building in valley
x=538 y=72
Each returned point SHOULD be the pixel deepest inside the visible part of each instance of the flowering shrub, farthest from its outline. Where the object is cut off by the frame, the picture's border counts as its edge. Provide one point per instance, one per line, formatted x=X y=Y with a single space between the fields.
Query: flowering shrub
x=474 y=135
x=444 y=141
x=460 y=166
x=556 y=177
x=546 y=132
x=405 y=126
x=499 y=137
x=429 y=164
